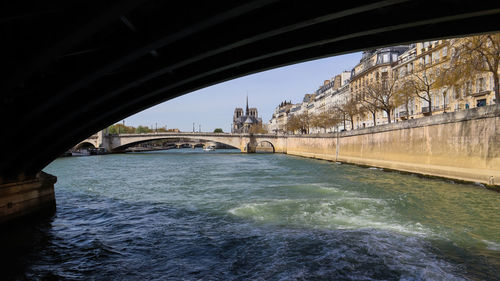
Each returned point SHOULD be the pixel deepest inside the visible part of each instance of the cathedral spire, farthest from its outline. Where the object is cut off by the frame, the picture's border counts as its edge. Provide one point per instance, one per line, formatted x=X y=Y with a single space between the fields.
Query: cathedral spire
x=246 y=113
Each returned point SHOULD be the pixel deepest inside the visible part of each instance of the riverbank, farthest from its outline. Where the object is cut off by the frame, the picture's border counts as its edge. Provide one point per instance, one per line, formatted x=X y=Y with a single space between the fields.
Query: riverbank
x=463 y=145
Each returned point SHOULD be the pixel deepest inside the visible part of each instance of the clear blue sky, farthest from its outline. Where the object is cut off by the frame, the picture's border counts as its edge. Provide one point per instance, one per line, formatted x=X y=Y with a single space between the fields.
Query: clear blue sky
x=213 y=107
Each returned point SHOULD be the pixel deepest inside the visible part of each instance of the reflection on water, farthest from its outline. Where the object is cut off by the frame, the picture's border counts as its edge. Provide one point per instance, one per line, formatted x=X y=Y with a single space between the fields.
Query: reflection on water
x=189 y=215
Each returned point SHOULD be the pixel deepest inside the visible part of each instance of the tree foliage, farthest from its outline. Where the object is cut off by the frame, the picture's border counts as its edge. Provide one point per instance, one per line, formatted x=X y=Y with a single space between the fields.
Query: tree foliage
x=404 y=95
x=299 y=122
x=143 y=130
x=121 y=129
x=476 y=55
x=218 y=130
x=257 y=129
x=325 y=119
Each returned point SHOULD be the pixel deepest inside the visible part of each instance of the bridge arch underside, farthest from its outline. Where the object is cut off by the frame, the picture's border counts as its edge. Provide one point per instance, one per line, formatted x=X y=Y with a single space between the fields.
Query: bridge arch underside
x=85 y=145
x=59 y=77
x=260 y=146
x=197 y=142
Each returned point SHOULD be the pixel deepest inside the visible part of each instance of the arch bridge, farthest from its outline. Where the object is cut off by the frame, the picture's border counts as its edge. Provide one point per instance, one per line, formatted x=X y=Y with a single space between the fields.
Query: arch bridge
x=247 y=143
x=71 y=68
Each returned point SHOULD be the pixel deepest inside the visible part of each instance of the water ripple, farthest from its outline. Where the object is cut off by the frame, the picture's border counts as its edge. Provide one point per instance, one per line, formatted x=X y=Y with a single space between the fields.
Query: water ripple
x=192 y=216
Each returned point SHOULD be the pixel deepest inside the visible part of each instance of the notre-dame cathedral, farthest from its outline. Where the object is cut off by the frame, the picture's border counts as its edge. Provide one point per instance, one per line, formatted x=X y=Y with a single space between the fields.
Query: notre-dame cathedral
x=243 y=123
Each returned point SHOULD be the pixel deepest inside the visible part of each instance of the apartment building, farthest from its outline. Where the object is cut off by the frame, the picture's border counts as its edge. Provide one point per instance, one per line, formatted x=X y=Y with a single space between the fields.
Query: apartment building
x=374 y=67
x=425 y=66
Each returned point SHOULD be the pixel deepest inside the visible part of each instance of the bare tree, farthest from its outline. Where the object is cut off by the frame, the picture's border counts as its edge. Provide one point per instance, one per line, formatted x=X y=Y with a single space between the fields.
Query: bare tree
x=350 y=110
x=305 y=122
x=405 y=95
x=325 y=119
x=299 y=122
x=385 y=94
x=424 y=81
x=370 y=106
x=317 y=121
x=333 y=118
x=293 y=124
x=341 y=112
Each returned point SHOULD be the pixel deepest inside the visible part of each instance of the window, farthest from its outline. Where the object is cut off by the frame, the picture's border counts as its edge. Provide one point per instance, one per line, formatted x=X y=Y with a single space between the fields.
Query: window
x=386 y=58
x=445 y=51
x=427 y=59
x=480 y=84
x=435 y=57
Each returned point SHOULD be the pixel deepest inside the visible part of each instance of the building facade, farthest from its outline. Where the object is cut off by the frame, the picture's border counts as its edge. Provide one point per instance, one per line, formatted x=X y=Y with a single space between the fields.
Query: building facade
x=373 y=70
x=382 y=77
x=427 y=61
x=279 y=119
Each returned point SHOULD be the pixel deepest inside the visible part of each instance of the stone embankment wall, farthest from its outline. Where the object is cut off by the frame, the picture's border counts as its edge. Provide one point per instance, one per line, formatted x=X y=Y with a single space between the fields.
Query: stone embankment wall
x=463 y=145
x=27 y=197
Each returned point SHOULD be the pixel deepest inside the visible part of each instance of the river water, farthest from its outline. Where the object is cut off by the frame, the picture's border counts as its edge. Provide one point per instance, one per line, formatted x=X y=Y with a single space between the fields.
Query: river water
x=193 y=215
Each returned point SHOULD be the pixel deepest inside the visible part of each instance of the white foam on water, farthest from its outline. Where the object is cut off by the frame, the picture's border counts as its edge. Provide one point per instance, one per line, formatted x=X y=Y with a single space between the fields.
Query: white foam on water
x=342 y=213
x=492 y=245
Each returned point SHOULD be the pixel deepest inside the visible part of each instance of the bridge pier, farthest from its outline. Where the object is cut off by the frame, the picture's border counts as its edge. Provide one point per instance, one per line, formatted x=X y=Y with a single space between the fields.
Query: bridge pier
x=250 y=147
x=27 y=198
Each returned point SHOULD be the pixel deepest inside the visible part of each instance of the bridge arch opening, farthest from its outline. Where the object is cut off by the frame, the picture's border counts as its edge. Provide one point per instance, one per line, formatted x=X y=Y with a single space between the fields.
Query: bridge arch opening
x=175 y=142
x=260 y=147
x=85 y=145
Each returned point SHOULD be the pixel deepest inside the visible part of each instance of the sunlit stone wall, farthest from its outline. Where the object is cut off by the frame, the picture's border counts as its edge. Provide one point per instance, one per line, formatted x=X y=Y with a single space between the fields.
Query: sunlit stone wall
x=462 y=145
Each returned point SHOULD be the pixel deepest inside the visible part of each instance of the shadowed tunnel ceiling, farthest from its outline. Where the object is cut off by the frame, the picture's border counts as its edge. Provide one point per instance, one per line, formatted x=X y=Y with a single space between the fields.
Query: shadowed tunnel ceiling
x=70 y=68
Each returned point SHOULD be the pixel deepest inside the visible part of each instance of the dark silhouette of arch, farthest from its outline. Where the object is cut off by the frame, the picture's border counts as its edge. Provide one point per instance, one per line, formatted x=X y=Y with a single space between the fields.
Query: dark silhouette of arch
x=64 y=84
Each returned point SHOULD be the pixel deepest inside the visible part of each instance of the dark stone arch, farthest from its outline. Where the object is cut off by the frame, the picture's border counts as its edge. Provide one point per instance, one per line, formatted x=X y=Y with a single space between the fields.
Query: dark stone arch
x=85 y=144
